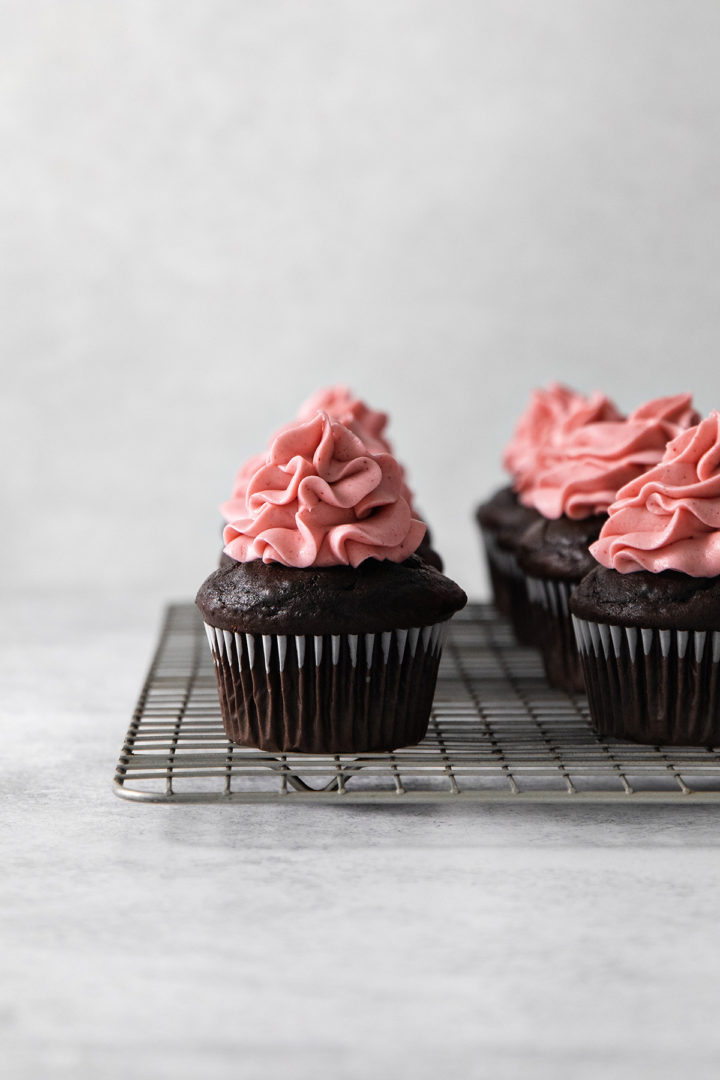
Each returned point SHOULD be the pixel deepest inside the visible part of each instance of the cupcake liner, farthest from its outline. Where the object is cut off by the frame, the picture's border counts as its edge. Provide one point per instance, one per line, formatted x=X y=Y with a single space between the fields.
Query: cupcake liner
x=327 y=694
x=549 y=603
x=496 y=573
x=652 y=686
x=508 y=587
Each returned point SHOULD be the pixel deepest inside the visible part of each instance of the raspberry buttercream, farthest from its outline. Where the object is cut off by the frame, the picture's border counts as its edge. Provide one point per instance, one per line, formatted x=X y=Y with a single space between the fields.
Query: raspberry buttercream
x=322 y=497
x=581 y=473
x=368 y=424
x=669 y=518
x=236 y=506
x=341 y=404
x=552 y=413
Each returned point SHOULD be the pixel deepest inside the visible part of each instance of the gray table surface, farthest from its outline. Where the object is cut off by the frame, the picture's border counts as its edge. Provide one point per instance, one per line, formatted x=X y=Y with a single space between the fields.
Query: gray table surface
x=274 y=941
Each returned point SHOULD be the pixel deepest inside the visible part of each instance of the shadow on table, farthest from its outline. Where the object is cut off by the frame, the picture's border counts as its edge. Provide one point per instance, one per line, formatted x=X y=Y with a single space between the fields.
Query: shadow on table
x=420 y=826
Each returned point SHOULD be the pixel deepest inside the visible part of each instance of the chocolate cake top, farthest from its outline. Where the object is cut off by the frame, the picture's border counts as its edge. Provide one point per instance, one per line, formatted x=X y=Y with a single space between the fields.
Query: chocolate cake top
x=665 y=601
x=269 y=598
x=558 y=547
x=504 y=515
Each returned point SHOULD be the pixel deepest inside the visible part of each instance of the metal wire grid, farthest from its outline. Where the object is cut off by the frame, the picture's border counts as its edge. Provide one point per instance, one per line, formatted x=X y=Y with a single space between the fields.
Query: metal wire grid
x=497 y=733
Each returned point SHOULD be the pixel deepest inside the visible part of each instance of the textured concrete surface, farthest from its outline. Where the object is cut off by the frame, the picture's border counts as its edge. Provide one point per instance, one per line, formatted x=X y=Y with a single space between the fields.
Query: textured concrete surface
x=268 y=941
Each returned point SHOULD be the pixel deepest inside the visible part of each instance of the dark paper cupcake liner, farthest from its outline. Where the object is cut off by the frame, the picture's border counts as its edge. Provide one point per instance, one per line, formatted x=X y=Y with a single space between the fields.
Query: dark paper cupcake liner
x=549 y=603
x=652 y=686
x=508 y=588
x=329 y=694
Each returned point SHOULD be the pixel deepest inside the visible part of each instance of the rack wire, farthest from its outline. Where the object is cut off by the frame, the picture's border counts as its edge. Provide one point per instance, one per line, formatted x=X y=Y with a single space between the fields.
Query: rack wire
x=498 y=732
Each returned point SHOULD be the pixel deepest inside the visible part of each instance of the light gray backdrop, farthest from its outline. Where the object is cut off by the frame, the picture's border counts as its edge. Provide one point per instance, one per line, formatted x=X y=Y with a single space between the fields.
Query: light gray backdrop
x=208 y=209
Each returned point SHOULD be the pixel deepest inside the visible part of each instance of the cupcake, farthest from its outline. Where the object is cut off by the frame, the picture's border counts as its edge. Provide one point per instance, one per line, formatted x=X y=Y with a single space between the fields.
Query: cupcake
x=647 y=618
x=368 y=424
x=551 y=413
x=326 y=629
x=577 y=479
x=502 y=520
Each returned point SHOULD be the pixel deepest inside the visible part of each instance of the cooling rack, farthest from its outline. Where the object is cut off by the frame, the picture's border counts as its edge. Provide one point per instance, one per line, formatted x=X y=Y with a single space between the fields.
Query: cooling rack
x=497 y=733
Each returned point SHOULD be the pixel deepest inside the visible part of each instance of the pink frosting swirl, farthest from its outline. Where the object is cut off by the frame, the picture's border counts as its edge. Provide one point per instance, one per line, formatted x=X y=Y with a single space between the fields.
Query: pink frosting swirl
x=323 y=498
x=669 y=518
x=368 y=424
x=581 y=473
x=341 y=404
x=552 y=413
x=235 y=506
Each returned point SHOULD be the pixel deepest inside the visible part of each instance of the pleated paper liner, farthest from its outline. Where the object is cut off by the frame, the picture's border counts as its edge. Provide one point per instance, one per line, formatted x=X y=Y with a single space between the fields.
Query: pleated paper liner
x=652 y=686
x=508 y=586
x=327 y=694
x=549 y=599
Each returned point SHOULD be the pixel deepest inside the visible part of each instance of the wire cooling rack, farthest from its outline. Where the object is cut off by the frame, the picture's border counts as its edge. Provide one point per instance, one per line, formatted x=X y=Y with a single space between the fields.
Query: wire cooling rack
x=498 y=732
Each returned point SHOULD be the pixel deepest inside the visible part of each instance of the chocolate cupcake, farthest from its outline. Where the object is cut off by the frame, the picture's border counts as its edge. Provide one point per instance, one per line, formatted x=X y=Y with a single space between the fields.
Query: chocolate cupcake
x=648 y=619
x=503 y=519
x=576 y=481
x=327 y=630
x=553 y=556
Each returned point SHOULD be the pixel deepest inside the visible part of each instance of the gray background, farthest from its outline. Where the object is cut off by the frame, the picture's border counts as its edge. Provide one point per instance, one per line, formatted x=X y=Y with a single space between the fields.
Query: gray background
x=209 y=209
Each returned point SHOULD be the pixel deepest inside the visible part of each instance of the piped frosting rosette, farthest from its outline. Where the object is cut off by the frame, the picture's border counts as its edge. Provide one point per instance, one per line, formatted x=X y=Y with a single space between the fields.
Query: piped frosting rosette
x=235 y=506
x=553 y=412
x=368 y=424
x=322 y=497
x=669 y=518
x=341 y=404
x=579 y=474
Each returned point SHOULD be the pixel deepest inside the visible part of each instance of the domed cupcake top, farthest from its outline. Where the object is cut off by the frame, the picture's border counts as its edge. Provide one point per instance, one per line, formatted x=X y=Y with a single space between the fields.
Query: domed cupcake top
x=322 y=497
x=552 y=413
x=669 y=518
x=580 y=474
